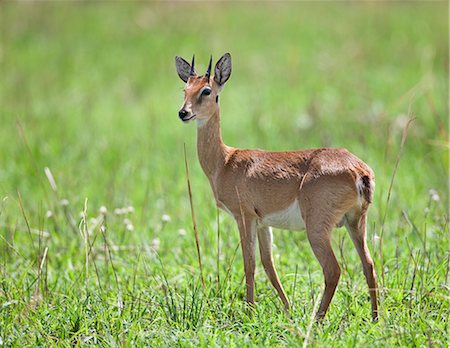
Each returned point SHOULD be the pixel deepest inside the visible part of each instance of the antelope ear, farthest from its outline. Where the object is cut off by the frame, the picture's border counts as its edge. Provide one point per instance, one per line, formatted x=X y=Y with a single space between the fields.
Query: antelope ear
x=183 y=68
x=222 y=71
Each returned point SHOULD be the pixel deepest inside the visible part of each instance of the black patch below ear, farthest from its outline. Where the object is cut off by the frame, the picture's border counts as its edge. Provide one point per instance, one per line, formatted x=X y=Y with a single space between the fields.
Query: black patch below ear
x=217 y=98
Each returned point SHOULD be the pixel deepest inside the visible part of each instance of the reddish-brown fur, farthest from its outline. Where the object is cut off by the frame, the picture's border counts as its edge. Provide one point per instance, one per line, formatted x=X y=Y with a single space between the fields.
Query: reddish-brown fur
x=332 y=187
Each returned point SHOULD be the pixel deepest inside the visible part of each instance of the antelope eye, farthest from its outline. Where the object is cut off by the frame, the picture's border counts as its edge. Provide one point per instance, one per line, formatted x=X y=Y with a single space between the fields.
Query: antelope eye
x=206 y=91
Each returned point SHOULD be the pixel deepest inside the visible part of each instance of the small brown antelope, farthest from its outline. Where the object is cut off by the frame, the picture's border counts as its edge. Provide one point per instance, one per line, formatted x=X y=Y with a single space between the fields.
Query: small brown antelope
x=317 y=189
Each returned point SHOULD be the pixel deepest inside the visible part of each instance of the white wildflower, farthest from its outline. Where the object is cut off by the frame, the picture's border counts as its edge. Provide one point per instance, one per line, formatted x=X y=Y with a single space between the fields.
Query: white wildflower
x=434 y=195
x=376 y=238
x=182 y=232
x=64 y=202
x=155 y=244
x=103 y=210
x=130 y=209
x=121 y=211
x=49 y=214
x=166 y=218
x=129 y=227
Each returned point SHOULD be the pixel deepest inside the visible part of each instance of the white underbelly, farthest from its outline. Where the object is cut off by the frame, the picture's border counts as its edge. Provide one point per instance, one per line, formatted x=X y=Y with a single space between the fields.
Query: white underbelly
x=289 y=218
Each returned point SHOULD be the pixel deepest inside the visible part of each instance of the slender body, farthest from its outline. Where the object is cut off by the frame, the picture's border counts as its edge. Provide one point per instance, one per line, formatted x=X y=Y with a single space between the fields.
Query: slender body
x=314 y=189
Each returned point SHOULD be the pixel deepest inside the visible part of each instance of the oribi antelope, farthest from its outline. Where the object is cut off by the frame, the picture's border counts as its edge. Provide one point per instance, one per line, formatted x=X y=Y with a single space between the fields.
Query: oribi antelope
x=316 y=189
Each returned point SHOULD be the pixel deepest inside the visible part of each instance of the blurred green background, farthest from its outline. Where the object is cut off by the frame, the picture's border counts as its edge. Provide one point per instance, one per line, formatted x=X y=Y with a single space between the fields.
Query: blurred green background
x=90 y=91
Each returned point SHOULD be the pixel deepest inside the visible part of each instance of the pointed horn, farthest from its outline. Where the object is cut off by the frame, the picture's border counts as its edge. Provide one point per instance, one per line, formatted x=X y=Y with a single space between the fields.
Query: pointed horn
x=208 y=72
x=192 y=65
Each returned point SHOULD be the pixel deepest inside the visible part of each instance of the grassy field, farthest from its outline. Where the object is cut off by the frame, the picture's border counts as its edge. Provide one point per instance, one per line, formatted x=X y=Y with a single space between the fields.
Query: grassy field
x=99 y=249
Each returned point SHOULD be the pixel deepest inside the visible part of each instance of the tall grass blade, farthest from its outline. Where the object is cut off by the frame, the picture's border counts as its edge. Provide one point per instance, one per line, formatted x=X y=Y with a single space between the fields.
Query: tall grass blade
x=193 y=219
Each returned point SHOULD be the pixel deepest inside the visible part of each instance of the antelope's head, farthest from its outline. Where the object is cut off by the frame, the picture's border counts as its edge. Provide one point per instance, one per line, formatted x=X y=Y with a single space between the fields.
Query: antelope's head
x=201 y=92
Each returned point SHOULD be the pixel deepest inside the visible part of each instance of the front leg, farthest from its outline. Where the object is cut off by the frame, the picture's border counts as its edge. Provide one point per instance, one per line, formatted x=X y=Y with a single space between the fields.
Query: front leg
x=247 y=231
x=265 y=248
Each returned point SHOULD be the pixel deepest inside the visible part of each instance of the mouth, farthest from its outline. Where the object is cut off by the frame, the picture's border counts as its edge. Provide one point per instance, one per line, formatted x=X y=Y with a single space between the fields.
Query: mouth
x=187 y=119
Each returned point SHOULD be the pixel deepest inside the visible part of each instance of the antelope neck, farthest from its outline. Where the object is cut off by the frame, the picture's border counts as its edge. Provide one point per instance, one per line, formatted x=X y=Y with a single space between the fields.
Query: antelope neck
x=210 y=148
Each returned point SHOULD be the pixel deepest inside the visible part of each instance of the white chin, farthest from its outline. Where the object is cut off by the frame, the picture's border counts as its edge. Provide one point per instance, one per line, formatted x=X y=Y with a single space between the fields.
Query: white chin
x=201 y=122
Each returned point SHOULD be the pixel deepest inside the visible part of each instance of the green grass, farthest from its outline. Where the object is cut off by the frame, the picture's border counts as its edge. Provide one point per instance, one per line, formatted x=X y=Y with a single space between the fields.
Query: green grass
x=91 y=92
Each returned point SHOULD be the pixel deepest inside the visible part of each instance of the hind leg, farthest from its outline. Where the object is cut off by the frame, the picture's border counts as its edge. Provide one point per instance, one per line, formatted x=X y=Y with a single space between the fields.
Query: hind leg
x=247 y=231
x=323 y=204
x=319 y=238
x=355 y=223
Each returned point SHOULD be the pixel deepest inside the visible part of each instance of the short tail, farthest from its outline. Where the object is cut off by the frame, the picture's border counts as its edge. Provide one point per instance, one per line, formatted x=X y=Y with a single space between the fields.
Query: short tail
x=366 y=187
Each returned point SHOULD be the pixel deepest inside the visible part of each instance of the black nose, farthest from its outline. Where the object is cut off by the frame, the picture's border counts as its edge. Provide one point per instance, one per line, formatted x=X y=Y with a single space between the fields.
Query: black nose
x=182 y=113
